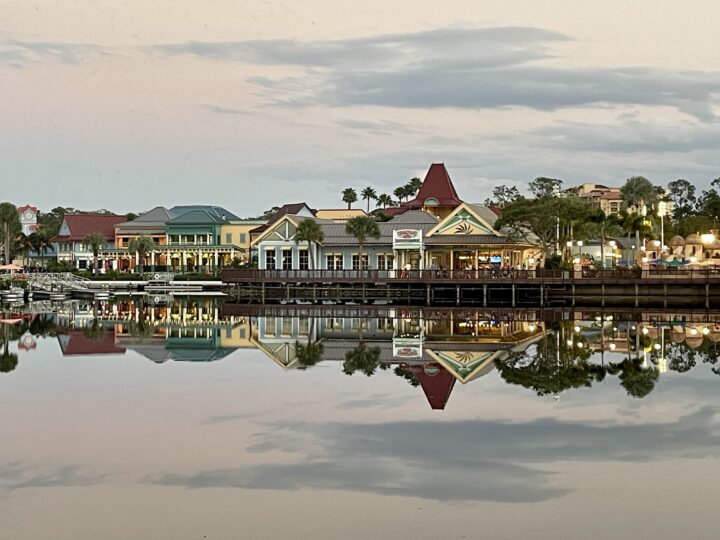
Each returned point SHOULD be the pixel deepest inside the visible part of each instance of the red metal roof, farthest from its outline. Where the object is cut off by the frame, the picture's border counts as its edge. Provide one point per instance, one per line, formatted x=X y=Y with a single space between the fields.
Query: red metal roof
x=437 y=185
x=21 y=209
x=284 y=210
x=81 y=225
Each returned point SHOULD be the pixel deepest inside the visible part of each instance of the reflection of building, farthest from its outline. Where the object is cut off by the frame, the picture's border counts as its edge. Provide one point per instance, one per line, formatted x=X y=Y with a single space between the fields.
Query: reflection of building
x=83 y=342
x=436 y=353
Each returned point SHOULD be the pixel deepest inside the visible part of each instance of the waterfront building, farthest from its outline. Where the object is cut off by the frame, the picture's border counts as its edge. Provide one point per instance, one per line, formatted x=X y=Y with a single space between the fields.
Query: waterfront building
x=151 y=224
x=69 y=244
x=341 y=215
x=464 y=240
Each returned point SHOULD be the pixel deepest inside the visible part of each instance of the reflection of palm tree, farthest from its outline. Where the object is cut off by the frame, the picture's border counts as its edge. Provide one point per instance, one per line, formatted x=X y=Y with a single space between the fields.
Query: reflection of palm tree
x=42 y=325
x=362 y=358
x=310 y=354
x=8 y=361
x=95 y=332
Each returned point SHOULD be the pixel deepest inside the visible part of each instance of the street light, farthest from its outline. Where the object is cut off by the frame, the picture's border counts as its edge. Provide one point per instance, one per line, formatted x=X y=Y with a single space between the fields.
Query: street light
x=662 y=212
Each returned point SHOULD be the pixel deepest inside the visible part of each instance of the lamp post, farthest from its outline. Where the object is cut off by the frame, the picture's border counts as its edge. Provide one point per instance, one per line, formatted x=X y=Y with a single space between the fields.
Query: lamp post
x=662 y=210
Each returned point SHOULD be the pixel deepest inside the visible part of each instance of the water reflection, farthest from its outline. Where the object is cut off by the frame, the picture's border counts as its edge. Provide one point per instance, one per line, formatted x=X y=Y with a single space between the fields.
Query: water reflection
x=547 y=353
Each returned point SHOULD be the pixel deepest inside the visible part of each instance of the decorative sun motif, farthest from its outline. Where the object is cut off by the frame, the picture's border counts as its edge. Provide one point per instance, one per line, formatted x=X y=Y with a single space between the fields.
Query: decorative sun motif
x=464 y=357
x=463 y=228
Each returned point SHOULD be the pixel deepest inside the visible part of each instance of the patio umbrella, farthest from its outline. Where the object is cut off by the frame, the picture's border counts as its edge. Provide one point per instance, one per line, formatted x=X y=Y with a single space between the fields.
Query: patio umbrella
x=675 y=262
x=11 y=267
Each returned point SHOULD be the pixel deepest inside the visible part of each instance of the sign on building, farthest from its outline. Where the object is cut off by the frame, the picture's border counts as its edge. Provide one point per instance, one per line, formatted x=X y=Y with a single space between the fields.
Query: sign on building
x=407 y=239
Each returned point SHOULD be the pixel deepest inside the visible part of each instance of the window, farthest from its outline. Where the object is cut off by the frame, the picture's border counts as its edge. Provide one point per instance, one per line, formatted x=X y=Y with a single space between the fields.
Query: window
x=228 y=238
x=385 y=261
x=303 y=259
x=287 y=259
x=270 y=259
x=242 y=237
x=359 y=261
x=334 y=261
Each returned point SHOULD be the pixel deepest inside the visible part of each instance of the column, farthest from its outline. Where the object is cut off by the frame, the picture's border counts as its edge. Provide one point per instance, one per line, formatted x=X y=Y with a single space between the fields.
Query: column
x=216 y=259
x=152 y=261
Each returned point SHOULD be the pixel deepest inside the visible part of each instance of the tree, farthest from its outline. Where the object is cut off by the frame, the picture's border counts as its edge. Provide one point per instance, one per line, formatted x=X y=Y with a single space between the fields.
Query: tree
x=400 y=193
x=545 y=187
x=141 y=246
x=682 y=194
x=95 y=242
x=528 y=218
x=413 y=186
x=363 y=359
x=367 y=194
x=349 y=196
x=131 y=216
x=638 y=192
x=310 y=354
x=384 y=200
x=309 y=230
x=8 y=360
x=637 y=381
x=362 y=228
x=23 y=246
x=9 y=227
x=503 y=196
x=40 y=242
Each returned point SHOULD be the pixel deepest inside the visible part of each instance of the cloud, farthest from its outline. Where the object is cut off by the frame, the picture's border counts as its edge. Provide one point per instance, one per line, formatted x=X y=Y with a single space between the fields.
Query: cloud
x=454 y=461
x=18 y=476
x=473 y=68
x=16 y=53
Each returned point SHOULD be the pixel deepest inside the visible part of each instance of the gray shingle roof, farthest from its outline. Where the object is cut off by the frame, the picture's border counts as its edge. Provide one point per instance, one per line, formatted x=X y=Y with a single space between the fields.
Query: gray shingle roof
x=157 y=217
x=217 y=211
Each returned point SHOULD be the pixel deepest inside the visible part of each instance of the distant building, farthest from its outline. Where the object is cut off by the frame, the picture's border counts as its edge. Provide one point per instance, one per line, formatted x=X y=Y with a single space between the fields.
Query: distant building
x=28 y=219
x=340 y=214
x=608 y=199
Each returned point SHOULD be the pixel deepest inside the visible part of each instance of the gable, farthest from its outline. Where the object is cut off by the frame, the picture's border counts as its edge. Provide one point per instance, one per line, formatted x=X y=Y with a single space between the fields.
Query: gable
x=64 y=228
x=463 y=222
x=283 y=231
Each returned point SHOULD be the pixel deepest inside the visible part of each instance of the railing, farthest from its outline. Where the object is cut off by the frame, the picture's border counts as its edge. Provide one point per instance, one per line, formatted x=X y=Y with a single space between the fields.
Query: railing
x=437 y=276
x=388 y=275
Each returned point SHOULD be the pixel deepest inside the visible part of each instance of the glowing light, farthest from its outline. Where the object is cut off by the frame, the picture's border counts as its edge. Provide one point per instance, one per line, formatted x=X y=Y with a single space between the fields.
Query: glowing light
x=656 y=346
x=531 y=327
x=612 y=346
x=705 y=331
x=580 y=243
x=693 y=332
x=568 y=243
x=707 y=238
x=645 y=331
x=577 y=329
x=693 y=259
x=576 y=260
x=580 y=345
x=570 y=342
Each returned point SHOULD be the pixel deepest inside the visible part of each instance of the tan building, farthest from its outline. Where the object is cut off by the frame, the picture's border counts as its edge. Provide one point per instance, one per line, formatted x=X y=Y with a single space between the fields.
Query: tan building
x=340 y=214
x=608 y=199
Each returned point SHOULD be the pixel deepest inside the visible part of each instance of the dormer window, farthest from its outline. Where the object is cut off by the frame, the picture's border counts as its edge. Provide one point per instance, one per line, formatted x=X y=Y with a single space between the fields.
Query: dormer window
x=431 y=201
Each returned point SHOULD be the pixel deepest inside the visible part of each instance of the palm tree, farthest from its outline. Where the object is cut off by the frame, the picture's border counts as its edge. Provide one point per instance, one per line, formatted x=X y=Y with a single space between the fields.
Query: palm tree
x=8 y=360
x=40 y=241
x=23 y=245
x=400 y=193
x=413 y=186
x=362 y=228
x=95 y=242
x=638 y=192
x=141 y=246
x=384 y=200
x=310 y=354
x=309 y=230
x=10 y=227
x=367 y=194
x=349 y=195
x=362 y=358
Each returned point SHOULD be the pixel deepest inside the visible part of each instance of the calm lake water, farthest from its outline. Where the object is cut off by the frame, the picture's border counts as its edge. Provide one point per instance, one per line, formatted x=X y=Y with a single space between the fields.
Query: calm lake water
x=185 y=422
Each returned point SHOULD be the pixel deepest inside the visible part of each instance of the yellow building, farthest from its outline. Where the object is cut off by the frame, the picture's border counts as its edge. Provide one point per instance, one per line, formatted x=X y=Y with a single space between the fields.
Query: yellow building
x=340 y=214
x=237 y=233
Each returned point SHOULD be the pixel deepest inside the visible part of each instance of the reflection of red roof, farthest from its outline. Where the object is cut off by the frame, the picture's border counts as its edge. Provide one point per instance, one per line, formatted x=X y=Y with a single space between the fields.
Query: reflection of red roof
x=74 y=342
x=436 y=382
x=81 y=225
x=437 y=185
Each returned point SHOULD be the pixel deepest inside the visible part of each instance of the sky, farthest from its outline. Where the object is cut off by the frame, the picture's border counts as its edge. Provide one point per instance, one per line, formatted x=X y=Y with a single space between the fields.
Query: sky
x=130 y=104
